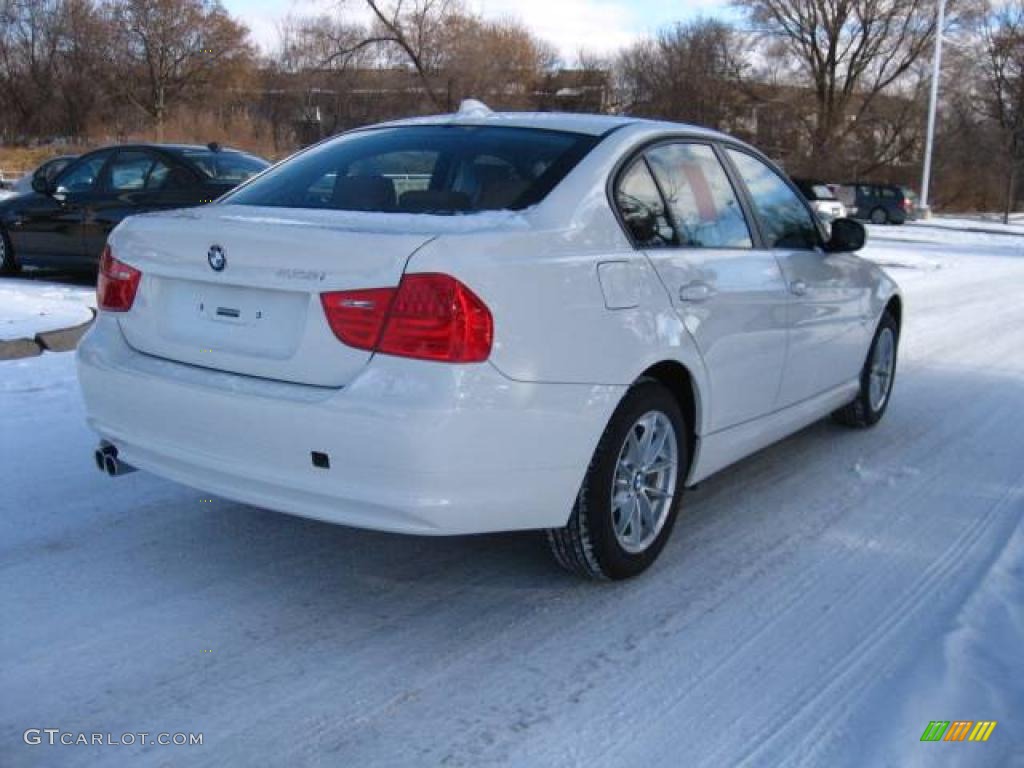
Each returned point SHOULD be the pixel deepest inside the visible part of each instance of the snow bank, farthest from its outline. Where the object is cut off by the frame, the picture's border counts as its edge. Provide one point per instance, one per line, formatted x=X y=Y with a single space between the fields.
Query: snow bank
x=29 y=307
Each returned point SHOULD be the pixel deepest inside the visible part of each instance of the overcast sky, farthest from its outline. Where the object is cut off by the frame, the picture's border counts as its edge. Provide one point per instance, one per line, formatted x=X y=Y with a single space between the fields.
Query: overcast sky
x=596 y=25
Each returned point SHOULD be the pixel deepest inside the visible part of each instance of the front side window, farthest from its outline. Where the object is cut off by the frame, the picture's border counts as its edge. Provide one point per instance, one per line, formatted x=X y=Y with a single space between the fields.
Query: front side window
x=700 y=198
x=435 y=169
x=82 y=176
x=641 y=207
x=785 y=218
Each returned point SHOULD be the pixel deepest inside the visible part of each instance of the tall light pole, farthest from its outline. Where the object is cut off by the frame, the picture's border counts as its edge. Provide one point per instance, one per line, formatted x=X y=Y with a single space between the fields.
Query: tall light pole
x=926 y=176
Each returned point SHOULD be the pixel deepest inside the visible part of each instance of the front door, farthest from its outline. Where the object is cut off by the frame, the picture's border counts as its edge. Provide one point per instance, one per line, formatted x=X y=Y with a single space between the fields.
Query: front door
x=827 y=303
x=48 y=228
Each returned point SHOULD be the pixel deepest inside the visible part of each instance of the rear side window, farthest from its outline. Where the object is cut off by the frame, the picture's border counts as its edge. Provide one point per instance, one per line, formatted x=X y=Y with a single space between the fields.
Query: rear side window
x=642 y=208
x=129 y=170
x=438 y=169
x=786 y=221
x=701 y=200
x=227 y=167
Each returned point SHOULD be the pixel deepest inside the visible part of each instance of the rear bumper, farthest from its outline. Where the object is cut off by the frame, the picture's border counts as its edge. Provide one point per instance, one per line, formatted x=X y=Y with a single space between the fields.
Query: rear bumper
x=414 y=447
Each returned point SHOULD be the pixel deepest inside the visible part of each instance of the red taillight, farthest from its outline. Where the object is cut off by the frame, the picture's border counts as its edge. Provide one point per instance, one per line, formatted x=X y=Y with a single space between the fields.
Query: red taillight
x=428 y=317
x=117 y=284
x=356 y=317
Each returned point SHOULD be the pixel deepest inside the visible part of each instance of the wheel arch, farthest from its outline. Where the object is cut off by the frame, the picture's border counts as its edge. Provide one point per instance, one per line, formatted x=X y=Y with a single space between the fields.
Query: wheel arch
x=678 y=379
x=894 y=306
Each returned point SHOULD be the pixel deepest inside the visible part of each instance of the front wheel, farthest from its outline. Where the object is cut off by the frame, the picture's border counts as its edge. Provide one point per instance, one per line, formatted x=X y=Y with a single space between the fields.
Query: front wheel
x=876 y=378
x=630 y=496
x=8 y=264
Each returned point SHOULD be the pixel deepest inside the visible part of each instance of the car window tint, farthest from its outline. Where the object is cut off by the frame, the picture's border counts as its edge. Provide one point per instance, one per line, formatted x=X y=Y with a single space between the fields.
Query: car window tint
x=129 y=170
x=83 y=176
x=700 y=198
x=163 y=176
x=428 y=169
x=408 y=171
x=227 y=166
x=787 y=221
x=642 y=208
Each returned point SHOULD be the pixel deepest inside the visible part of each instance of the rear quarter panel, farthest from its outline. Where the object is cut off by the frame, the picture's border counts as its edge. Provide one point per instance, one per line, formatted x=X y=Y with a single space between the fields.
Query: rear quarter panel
x=542 y=287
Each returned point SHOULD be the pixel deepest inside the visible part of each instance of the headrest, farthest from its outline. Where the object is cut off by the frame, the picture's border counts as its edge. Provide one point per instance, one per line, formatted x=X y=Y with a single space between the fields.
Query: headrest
x=426 y=200
x=363 y=193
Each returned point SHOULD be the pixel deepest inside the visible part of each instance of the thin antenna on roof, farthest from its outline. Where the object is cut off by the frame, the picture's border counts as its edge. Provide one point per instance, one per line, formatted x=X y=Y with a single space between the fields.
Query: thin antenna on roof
x=474 y=108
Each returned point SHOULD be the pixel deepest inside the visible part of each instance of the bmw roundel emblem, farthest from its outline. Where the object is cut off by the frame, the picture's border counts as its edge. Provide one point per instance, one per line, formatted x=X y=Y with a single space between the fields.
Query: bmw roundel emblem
x=216 y=258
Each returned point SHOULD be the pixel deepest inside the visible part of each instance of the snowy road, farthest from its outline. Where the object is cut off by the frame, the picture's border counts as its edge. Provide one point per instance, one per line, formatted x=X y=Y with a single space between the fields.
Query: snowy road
x=818 y=604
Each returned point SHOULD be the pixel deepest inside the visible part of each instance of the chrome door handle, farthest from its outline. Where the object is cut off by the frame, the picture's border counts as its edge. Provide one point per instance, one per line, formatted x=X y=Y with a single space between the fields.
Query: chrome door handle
x=696 y=291
x=798 y=288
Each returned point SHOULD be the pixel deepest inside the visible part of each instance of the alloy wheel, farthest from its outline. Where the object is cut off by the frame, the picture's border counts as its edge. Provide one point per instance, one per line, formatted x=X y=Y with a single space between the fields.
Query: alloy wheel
x=644 y=482
x=880 y=374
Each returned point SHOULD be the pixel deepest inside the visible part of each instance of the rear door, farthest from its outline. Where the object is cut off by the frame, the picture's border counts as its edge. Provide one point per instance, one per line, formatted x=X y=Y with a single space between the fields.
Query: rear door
x=731 y=296
x=135 y=181
x=828 y=295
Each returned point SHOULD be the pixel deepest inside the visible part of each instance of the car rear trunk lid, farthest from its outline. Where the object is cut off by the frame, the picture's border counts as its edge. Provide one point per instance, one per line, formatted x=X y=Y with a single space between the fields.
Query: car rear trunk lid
x=258 y=312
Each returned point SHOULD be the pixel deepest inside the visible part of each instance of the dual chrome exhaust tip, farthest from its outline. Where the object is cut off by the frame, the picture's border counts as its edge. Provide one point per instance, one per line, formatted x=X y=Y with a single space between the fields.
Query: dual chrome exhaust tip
x=106 y=460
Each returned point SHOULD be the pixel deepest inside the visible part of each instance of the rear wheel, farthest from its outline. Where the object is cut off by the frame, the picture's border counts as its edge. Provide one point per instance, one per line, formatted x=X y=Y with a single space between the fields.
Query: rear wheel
x=630 y=496
x=876 y=378
x=8 y=265
x=879 y=216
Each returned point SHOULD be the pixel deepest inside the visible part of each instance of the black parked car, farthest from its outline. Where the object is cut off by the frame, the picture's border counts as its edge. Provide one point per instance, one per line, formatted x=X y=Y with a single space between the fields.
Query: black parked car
x=65 y=221
x=879 y=203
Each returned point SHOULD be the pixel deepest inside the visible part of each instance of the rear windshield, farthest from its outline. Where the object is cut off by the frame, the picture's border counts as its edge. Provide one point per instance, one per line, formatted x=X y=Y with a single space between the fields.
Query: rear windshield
x=233 y=167
x=440 y=169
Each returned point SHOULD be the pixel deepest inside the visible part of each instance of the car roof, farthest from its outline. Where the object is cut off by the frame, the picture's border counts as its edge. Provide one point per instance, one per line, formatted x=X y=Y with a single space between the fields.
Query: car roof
x=575 y=122
x=174 y=148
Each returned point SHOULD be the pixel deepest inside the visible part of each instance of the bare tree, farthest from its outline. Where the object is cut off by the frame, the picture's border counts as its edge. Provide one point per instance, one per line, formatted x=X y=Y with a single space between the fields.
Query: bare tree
x=686 y=72
x=31 y=35
x=409 y=31
x=848 y=52
x=1000 y=87
x=167 y=50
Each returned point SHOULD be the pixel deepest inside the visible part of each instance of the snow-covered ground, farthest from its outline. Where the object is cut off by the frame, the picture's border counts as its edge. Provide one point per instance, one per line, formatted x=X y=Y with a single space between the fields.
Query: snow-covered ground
x=28 y=307
x=817 y=605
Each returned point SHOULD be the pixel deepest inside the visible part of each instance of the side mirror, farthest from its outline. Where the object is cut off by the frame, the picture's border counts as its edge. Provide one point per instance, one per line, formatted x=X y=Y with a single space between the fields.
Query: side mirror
x=41 y=184
x=847 y=236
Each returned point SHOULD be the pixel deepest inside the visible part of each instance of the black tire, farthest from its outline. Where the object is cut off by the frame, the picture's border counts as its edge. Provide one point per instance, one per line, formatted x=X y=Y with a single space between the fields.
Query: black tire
x=587 y=545
x=861 y=413
x=8 y=264
x=879 y=216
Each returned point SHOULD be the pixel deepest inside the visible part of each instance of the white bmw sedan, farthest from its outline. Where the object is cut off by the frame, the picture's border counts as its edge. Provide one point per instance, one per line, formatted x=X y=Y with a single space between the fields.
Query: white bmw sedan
x=487 y=322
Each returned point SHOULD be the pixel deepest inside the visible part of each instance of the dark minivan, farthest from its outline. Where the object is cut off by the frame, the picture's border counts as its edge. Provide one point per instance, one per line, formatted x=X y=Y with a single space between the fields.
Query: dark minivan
x=879 y=203
x=65 y=220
